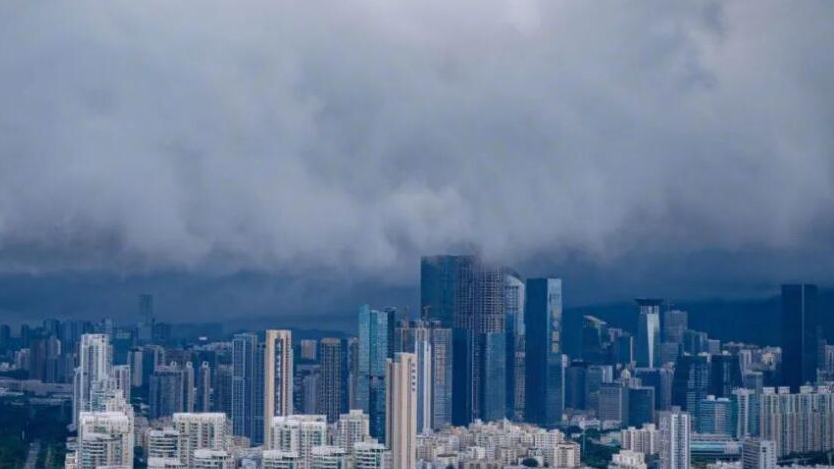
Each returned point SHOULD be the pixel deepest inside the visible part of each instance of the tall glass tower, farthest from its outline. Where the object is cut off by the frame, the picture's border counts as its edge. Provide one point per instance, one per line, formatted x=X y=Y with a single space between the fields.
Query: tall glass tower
x=545 y=367
x=648 y=333
x=800 y=335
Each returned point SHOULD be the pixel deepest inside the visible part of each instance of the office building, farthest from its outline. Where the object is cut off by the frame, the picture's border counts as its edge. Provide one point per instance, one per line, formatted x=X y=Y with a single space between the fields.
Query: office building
x=166 y=391
x=401 y=410
x=613 y=403
x=423 y=353
x=244 y=364
x=690 y=383
x=545 y=364
x=595 y=377
x=641 y=405
x=514 y=298
x=467 y=294
x=648 y=333
x=278 y=376
x=801 y=335
x=373 y=351
x=675 y=323
x=725 y=375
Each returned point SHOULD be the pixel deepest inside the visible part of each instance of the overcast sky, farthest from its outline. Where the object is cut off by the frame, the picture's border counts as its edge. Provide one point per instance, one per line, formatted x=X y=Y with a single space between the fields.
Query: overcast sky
x=680 y=147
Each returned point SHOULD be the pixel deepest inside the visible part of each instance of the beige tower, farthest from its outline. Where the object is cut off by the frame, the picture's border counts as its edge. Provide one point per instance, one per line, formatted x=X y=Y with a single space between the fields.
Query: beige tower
x=278 y=376
x=401 y=410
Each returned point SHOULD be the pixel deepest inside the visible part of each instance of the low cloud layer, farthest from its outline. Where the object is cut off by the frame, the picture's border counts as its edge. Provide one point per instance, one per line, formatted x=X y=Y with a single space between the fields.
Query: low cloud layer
x=355 y=135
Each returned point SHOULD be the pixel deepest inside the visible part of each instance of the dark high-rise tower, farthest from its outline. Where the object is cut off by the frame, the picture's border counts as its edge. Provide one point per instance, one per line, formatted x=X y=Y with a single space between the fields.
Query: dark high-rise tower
x=467 y=294
x=725 y=375
x=331 y=386
x=800 y=335
x=545 y=368
x=690 y=384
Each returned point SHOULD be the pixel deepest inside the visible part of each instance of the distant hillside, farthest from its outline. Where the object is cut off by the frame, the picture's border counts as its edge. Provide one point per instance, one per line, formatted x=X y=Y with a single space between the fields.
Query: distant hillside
x=755 y=321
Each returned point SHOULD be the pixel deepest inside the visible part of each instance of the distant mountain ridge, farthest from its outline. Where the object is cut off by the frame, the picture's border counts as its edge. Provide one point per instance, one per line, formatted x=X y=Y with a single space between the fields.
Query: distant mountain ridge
x=756 y=321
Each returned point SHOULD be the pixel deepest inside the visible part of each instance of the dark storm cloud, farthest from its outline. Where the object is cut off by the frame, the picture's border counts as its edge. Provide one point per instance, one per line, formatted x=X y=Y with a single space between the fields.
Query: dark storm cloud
x=354 y=135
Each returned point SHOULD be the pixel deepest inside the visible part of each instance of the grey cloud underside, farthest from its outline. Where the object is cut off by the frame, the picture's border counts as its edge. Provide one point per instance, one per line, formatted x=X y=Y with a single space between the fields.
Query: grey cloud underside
x=355 y=135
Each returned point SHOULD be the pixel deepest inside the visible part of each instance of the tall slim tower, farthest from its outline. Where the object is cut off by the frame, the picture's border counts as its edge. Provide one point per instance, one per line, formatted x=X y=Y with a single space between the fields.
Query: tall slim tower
x=373 y=350
x=648 y=333
x=800 y=335
x=401 y=410
x=94 y=363
x=423 y=352
x=330 y=384
x=545 y=368
x=243 y=383
x=278 y=376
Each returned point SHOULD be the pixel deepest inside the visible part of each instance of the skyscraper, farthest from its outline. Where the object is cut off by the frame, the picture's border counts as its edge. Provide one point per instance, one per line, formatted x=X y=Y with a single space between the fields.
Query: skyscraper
x=94 y=362
x=243 y=383
x=545 y=368
x=690 y=384
x=401 y=410
x=278 y=376
x=800 y=335
x=423 y=354
x=674 y=432
x=146 y=319
x=648 y=332
x=467 y=294
x=514 y=297
x=203 y=401
x=641 y=405
x=373 y=351
x=675 y=322
x=613 y=403
x=166 y=393
x=330 y=383
x=725 y=375
x=438 y=288
x=715 y=416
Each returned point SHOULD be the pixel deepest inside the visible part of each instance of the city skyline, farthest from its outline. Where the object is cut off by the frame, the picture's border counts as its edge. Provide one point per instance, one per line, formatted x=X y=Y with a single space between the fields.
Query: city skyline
x=416 y=234
x=668 y=172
